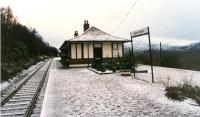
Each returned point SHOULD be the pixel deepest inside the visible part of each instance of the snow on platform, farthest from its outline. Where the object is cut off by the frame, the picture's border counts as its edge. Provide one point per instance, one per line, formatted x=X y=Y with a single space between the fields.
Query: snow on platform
x=78 y=65
x=81 y=92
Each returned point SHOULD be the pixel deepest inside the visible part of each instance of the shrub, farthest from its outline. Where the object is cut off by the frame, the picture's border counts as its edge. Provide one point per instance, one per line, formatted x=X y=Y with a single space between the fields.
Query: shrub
x=174 y=93
x=125 y=66
x=111 y=66
x=184 y=91
x=64 y=63
x=106 y=65
x=96 y=63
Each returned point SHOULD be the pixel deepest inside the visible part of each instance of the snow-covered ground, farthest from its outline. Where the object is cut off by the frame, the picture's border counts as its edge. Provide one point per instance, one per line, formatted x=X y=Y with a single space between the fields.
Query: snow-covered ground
x=20 y=76
x=81 y=92
x=99 y=72
x=169 y=76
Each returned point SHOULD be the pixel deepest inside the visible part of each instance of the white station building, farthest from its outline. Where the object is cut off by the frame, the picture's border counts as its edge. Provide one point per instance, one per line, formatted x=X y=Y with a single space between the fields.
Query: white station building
x=92 y=44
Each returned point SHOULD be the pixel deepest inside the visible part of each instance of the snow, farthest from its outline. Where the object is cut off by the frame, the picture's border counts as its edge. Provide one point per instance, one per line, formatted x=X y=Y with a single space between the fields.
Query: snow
x=95 y=34
x=169 y=76
x=81 y=92
x=106 y=72
x=78 y=65
x=20 y=76
x=140 y=45
x=4 y=85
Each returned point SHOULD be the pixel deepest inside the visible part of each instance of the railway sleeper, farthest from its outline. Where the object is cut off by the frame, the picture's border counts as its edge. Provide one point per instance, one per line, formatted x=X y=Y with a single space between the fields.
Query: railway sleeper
x=19 y=113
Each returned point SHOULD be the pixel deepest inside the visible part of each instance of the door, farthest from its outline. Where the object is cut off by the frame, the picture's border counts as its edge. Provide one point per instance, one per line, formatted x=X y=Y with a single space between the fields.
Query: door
x=97 y=51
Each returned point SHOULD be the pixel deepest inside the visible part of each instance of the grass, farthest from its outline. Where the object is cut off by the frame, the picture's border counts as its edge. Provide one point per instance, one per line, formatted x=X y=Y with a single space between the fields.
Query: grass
x=182 y=92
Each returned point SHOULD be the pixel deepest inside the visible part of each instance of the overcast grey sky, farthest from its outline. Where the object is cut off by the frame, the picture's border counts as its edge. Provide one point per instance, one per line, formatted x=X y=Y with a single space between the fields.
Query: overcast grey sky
x=175 y=22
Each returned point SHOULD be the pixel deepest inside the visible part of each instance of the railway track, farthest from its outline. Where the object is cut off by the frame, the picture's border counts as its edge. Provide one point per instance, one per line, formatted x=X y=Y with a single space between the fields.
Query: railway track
x=21 y=101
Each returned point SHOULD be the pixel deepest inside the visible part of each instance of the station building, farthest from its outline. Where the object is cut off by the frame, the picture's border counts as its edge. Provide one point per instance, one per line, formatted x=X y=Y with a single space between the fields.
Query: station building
x=92 y=44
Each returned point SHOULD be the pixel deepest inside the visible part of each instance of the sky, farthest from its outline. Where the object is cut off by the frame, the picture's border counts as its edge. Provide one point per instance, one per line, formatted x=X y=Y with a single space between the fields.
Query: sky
x=174 y=22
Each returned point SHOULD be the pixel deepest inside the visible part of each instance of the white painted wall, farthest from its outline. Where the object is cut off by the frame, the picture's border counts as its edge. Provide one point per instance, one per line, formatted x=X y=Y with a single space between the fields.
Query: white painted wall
x=91 y=50
x=85 y=50
x=79 y=51
x=73 y=51
x=107 y=49
x=120 y=49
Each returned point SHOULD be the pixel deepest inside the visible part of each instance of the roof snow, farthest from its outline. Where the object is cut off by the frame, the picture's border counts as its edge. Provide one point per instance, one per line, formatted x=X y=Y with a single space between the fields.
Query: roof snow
x=95 y=34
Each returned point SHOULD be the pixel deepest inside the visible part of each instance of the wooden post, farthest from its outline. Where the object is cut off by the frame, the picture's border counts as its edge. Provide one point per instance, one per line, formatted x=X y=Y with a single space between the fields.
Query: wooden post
x=150 y=56
x=132 y=57
x=88 y=54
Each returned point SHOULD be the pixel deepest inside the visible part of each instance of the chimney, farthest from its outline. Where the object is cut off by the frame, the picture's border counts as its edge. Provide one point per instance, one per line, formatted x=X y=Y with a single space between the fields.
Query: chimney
x=75 y=33
x=86 y=25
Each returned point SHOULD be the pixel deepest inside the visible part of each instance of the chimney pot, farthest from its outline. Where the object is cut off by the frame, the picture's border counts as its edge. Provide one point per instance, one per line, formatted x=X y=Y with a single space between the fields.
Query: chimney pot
x=86 y=25
x=75 y=33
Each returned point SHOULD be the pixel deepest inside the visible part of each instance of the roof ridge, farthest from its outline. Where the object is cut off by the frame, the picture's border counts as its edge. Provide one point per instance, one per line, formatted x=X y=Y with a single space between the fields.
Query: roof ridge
x=107 y=33
x=82 y=33
x=97 y=29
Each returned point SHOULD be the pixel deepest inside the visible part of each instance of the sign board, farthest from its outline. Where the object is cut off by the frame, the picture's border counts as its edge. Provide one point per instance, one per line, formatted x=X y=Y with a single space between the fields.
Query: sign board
x=140 y=32
x=137 y=33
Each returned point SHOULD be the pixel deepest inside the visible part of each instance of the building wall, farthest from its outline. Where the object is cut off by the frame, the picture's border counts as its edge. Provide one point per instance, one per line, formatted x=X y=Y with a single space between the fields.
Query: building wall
x=120 y=49
x=85 y=50
x=91 y=50
x=85 y=61
x=76 y=50
x=73 y=51
x=79 y=51
x=107 y=49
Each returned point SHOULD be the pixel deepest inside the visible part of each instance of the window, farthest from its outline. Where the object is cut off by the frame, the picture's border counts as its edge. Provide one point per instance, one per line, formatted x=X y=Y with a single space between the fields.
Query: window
x=97 y=45
x=115 y=50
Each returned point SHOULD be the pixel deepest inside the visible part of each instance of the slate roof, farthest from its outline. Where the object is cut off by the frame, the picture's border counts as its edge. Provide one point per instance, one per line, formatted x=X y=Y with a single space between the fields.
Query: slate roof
x=95 y=34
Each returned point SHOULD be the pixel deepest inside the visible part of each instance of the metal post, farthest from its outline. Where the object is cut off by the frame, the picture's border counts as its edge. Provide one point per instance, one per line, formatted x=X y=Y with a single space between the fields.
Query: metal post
x=150 y=56
x=160 y=54
x=132 y=57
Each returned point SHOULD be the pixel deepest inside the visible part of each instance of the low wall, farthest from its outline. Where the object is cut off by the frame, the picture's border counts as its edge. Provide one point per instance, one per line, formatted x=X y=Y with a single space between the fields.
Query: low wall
x=85 y=61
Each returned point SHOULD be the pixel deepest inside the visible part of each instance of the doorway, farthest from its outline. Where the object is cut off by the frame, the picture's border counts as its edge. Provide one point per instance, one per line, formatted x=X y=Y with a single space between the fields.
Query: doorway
x=98 y=51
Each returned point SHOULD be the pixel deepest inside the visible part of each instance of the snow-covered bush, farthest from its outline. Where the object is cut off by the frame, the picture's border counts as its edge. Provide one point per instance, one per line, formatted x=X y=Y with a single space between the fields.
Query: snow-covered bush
x=183 y=91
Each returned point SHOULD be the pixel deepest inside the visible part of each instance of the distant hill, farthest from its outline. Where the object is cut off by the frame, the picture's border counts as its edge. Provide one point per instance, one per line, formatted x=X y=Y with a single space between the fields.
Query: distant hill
x=183 y=57
x=190 y=47
x=141 y=46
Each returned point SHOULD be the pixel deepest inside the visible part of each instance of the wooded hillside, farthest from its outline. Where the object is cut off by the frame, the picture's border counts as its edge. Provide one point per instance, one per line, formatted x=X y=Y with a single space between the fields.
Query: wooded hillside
x=21 y=46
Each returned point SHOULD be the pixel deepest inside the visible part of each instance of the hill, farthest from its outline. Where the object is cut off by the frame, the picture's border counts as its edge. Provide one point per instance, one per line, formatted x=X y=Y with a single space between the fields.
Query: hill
x=21 y=46
x=183 y=57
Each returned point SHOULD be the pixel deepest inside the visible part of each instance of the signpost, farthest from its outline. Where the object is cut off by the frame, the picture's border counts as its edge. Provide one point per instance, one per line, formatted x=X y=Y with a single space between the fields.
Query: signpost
x=140 y=32
x=137 y=33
